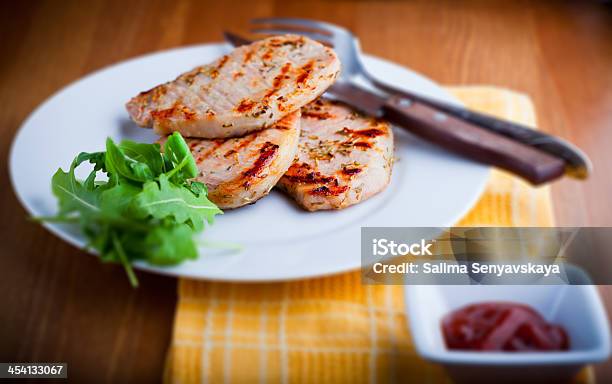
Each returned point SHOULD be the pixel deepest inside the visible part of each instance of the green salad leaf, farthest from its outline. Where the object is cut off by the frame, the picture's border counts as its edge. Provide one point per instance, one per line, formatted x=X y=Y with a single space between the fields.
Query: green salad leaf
x=146 y=208
x=162 y=199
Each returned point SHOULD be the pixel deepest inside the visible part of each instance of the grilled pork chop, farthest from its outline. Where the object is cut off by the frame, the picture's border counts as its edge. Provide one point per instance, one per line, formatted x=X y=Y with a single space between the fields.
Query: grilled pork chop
x=249 y=89
x=343 y=158
x=242 y=170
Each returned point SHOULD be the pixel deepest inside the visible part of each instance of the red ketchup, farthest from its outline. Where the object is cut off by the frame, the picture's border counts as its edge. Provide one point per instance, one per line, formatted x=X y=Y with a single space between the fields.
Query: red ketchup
x=502 y=327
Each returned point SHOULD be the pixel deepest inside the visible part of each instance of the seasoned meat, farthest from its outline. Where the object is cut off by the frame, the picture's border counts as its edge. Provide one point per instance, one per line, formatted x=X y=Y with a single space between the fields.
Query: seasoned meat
x=246 y=90
x=343 y=158
x=242 y=170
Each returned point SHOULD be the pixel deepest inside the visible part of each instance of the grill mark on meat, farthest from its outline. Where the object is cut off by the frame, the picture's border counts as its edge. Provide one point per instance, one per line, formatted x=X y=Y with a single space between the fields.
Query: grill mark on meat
x=301 y=173
x=189 y=78
x=278 y=79
x=268 y=55
x=266 y=155
x=332 y=190
x=262 y=110
x=350 y=171
x=370 y=132
x=295 y=43
x=304 y=72
x=362 y=145
x=248 y=56
x=274 y=42
x=215 y=72
x=245 y=105
x=282 y=107
x=222 y=62
x=317 y=115
x=176 y=110
x=229 y=153
x=282 y=126
x=163 y=113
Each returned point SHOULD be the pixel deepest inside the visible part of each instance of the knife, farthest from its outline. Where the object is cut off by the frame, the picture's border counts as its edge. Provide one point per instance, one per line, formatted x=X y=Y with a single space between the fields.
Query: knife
x=454 y=134
x=448 y=131
x=577 y=163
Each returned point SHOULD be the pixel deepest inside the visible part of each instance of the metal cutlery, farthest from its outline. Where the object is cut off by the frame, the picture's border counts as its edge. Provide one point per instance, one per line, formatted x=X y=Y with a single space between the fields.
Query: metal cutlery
x=440 y=127
x=454 y=134
x=346 y=45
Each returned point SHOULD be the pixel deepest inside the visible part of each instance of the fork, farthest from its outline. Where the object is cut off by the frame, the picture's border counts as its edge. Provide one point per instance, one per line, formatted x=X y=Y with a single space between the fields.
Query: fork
x=346 y=45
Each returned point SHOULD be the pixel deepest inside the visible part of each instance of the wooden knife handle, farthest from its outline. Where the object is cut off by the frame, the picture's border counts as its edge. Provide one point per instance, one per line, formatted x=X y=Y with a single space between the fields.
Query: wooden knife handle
x=472 y=141
x=577 y=163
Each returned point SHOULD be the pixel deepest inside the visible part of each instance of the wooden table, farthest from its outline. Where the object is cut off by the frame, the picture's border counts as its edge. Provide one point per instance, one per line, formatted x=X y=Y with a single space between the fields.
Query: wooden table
x=59 y=304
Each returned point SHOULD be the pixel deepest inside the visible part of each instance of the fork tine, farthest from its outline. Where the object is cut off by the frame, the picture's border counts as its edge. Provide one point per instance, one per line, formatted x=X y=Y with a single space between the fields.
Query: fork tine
x=314 y=24
x=282 y=31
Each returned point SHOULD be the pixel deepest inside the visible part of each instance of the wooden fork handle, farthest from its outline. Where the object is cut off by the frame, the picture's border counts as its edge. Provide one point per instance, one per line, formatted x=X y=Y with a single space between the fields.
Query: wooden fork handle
x=473 y=142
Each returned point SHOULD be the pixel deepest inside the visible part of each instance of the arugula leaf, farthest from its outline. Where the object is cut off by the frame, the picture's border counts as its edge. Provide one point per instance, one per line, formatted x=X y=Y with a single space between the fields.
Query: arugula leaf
x=170 y=245
x=96 y=158
x=124 y=166
x=163 y=199
x=148 y=208
x=177 y=151
x=145 y=153
x=72 y=194
x=198 y=188
x=117 y=200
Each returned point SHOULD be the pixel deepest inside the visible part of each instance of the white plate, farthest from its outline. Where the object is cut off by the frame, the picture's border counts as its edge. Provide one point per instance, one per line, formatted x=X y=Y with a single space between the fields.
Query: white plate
x=429 y=187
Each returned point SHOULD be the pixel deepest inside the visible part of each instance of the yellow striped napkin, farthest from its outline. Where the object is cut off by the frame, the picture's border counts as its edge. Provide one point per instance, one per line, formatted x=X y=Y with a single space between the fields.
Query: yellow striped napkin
x=333 y=329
